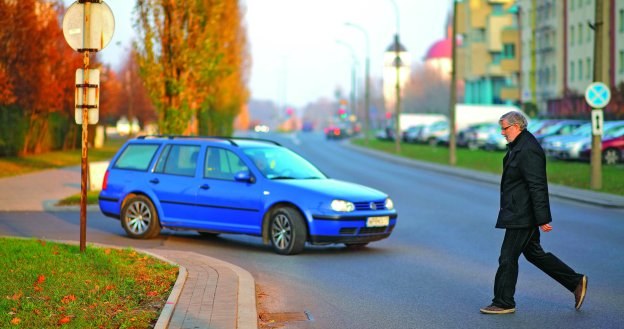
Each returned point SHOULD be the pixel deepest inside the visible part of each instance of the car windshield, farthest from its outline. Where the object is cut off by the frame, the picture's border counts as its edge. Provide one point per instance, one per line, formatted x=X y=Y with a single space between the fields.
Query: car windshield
x=282 y=163
x=614 y=132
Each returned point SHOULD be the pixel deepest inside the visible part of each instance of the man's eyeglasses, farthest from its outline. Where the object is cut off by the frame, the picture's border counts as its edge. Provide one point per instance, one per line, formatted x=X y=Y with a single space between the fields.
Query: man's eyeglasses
x=505 y=128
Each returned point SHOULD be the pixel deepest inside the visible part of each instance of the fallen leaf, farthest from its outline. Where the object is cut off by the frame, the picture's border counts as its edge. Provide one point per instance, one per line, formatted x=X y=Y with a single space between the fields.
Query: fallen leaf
x=64 y=320
x=16 y=321
x=68 y=299
x=40 y=279
x=16 y=296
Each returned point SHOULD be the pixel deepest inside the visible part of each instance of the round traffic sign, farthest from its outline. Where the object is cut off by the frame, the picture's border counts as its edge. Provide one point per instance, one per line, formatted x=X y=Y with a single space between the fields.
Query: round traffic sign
x=597 y=95
x=101 y=27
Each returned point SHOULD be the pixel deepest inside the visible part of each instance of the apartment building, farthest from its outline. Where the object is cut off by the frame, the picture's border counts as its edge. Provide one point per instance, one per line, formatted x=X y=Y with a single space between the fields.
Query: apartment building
x=557 y=55
x=489 y=53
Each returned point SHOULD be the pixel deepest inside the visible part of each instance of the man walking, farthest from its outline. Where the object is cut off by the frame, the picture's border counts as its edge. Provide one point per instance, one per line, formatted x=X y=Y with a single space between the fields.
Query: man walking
x=524 y=207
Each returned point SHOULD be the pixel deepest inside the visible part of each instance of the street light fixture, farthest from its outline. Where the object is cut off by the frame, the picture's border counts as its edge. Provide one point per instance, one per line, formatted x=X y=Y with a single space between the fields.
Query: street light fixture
x=366 y=82
x=353 y=65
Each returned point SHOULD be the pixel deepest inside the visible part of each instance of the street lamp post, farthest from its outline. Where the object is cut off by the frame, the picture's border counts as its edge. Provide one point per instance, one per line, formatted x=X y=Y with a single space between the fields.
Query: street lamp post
x=353 y=65
x=397 y=86
x=366 y=82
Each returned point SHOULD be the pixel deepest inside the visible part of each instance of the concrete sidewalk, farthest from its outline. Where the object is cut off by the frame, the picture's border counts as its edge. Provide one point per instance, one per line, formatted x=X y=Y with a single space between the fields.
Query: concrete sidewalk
x=209 y=293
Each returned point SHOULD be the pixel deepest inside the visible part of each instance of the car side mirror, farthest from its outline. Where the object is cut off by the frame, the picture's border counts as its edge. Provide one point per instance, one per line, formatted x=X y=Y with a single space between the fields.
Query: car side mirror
x=244 y=176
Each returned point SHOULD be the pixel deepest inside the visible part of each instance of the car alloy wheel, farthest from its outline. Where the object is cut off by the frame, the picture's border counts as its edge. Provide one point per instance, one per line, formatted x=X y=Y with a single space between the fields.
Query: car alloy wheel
x=611 y=156
x=139 y=218
x=287 y=231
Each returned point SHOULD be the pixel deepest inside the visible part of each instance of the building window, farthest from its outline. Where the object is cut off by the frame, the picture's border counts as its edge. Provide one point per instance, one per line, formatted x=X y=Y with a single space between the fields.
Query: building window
x=497 y=9
x=571 y=71
x=589 y=68
x=621 y=20
x=572 y=5
x=509 y=50
x=580 y=69
x=621 y=62
x=572 y=35
x=554 y=74
x=580 y=33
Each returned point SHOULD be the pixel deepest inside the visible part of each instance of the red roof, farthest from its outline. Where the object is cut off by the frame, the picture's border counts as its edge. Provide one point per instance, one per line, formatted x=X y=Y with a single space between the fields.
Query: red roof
x=440 y=49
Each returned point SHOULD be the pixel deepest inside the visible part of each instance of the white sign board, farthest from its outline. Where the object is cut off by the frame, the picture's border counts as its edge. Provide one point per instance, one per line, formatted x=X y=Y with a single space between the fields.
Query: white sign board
x=101 y=26
x=597 y=122
x=93 y=95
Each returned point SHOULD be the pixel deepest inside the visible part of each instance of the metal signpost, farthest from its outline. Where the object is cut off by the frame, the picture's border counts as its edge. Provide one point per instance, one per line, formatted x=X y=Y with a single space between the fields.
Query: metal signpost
x=88 y=26
x=597 y=96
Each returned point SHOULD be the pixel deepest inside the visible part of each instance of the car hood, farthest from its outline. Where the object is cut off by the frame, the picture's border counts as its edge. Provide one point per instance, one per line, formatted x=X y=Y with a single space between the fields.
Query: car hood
x=333 y=188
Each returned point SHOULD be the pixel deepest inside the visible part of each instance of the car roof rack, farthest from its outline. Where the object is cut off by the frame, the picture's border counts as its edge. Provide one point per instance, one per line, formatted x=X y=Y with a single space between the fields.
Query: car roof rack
x=231 y=140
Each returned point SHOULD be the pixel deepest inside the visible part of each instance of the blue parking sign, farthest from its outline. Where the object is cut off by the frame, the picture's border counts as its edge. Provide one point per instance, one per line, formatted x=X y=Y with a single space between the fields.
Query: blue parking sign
x=597 y=95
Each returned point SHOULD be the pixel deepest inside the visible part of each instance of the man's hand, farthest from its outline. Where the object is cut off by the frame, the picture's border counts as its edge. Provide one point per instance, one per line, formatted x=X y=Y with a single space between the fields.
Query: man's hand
x=546 y=228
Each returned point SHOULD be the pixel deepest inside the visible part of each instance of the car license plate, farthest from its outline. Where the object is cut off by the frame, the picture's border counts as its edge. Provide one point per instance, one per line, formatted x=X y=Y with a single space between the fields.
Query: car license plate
x=377 y=221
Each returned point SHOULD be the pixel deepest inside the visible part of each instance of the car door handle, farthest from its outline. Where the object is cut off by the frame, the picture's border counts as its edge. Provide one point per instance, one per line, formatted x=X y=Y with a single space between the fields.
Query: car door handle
x=205 y=187
x=154 y=181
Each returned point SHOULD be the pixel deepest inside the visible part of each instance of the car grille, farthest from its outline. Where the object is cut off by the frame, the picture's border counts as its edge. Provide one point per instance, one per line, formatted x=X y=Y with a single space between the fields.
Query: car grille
x=375 y=205
x=366 y=230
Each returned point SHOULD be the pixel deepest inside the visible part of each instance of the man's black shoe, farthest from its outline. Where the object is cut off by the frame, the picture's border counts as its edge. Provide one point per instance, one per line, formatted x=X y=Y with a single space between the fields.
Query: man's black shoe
x=492 y=309
x=579 y=292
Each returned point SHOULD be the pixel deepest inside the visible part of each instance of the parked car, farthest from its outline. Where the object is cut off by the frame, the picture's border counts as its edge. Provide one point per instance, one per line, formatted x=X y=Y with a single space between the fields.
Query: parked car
x=476 y=136
x=612 y=147
x=562 y=127
x=429 y=133
x=412 y=133
x=569 y=147
x=233 y=185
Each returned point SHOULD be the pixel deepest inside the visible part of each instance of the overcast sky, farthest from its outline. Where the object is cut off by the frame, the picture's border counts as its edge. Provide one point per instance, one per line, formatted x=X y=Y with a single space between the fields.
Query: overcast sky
x=295 y=55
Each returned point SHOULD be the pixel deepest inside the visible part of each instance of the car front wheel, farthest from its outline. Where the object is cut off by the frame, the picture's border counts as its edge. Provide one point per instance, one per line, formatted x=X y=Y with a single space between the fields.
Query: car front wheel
x=287 y=231
x=139 y=218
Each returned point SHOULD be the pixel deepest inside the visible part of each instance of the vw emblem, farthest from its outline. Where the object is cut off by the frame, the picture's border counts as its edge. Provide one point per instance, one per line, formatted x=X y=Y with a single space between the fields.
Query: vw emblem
x=373 y=206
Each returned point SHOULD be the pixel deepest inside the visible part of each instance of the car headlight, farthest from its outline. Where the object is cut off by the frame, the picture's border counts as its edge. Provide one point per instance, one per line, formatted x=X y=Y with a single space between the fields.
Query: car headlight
x=389 y=204
x=342 y=206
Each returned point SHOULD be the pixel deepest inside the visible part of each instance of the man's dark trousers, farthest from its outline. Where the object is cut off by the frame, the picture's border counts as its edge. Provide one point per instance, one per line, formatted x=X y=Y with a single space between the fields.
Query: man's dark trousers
x=527 y=241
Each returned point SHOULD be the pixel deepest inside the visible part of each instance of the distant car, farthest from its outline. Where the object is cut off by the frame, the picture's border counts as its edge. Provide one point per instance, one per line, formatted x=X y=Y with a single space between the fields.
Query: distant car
x=244 y=186
x=412 y=133
x=563 y=127
x=612 y=148
x=338 y=131
x=569 y=147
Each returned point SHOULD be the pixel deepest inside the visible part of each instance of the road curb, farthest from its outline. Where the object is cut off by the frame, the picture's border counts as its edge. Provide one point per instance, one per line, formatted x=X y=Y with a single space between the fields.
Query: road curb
x=167 y=311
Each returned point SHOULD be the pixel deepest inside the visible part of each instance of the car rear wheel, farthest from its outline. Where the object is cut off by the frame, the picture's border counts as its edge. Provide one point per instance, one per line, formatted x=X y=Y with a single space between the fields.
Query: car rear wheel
x=139 y=218
x=287 y=231
x=611 y=156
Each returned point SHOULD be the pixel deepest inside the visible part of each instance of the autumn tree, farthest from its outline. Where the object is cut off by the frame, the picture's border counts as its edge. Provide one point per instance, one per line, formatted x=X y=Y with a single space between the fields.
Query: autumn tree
x=37 y=66
x=193 y=58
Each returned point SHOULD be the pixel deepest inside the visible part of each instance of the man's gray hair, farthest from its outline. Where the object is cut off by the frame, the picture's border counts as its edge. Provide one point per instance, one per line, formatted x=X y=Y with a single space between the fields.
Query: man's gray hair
x=515 y=118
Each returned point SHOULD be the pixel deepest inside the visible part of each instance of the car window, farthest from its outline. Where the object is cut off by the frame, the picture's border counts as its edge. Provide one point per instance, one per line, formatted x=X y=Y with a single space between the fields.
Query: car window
x=136 y=156
x=222 y=164
x=178 y=160
x=281 y=163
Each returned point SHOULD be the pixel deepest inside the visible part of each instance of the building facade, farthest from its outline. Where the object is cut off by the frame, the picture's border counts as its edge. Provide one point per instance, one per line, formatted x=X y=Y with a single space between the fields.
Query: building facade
x=489 y=51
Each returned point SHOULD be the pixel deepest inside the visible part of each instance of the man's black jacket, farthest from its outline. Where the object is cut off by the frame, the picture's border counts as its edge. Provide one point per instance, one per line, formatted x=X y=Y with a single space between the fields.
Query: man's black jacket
x=524 y=187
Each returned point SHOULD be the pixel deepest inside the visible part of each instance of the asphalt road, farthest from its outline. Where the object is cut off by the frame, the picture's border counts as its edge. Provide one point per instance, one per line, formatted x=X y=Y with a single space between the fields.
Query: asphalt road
x=435 y=271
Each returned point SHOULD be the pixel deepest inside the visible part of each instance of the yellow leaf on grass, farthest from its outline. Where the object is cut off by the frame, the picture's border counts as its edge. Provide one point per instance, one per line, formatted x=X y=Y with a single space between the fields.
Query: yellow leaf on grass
x=16 y=321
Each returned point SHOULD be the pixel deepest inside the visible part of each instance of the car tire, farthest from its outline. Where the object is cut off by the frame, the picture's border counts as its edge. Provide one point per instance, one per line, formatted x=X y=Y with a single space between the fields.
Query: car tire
x=287 y=231
x=139 y=218
x=611 y=156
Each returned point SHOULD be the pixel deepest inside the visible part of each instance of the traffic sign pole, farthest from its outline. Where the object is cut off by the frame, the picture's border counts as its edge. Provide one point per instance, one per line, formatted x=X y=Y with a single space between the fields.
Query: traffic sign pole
x=597 y=96
x=88 y=26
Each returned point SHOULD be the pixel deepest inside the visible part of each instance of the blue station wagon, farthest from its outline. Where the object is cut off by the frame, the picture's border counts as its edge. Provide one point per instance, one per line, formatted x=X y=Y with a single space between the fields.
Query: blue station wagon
x=236 y=185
